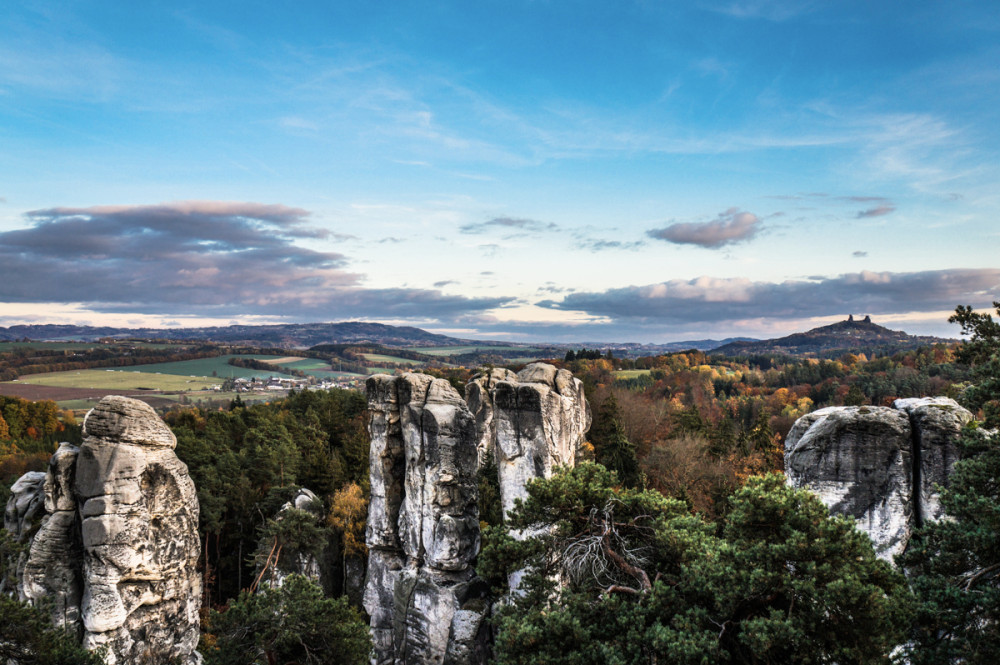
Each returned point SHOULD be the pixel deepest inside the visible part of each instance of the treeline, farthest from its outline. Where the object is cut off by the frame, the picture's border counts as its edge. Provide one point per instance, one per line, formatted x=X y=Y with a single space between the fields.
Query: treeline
x=29 y=434
x=260 y=365
x=695 y=426
x=22 y=361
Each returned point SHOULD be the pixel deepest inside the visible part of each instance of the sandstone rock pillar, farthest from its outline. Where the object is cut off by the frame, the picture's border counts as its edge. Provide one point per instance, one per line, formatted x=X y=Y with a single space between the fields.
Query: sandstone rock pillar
x=117 y=549
x=425 y=601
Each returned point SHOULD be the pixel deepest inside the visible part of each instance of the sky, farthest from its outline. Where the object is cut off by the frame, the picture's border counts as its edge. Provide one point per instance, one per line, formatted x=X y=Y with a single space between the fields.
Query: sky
x=518 y=170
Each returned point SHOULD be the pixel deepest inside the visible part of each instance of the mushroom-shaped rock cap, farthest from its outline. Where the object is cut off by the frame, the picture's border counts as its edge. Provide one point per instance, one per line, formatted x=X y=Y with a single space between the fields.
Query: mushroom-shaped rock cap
x=129 y=421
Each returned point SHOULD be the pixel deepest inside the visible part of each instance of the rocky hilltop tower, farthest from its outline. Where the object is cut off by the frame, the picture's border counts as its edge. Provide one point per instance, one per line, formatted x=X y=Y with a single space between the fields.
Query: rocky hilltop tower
x=115 y=553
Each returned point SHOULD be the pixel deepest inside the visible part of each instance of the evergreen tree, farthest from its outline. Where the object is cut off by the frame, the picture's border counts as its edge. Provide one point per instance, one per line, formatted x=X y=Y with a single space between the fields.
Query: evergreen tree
x=611 y=447
x=27 y=637
x=294 y=623
x=955 y=562
x=645 y=581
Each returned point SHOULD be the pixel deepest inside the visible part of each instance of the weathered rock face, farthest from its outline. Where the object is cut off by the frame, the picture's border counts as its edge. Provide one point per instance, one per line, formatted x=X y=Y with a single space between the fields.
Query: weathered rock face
x=117 y=549
x=878 y=464
x=540 y=418
x=26 y=505
x=54 y=570
x=425 y=602
x=479 y=397
x=936 y=423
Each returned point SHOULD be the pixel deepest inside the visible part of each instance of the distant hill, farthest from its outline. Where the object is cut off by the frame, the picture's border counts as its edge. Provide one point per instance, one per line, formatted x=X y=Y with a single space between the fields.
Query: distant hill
x=282 y=335
x=862 y=336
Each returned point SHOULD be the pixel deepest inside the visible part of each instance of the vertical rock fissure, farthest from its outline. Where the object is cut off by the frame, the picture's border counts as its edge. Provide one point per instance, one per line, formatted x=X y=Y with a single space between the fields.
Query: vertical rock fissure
x=916 y=491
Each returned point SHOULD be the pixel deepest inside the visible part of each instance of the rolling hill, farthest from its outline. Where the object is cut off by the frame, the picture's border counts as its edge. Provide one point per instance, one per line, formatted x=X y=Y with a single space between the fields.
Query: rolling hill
x=851 y=335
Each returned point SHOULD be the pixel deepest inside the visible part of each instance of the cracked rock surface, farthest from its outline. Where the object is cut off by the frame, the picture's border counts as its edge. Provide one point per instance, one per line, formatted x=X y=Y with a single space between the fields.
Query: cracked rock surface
x=879 y=465
x=117 y=548
x=425 y=601
x=539 y=418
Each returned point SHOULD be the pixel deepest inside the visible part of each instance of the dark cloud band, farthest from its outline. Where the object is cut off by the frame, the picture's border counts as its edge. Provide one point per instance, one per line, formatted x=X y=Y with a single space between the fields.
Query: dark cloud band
x=712 y=300
x=199 y=257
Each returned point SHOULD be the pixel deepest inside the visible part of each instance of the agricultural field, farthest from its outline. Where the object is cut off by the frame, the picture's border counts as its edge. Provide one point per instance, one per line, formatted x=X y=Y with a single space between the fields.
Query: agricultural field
x=127 y=379
x=302 y=364
x=630 y=373
x=447 y=350
x=380 y=358
x=438 y=351
x=284 y=361
x=204 y=367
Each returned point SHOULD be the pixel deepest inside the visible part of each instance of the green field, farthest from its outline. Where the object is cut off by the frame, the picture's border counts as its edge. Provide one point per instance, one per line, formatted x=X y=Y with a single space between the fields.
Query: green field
x=205 y=366
x=472 y=348
x=307 y=364
x=630 y=373
x=129 y=379
x=447 y=350
x=379 y=358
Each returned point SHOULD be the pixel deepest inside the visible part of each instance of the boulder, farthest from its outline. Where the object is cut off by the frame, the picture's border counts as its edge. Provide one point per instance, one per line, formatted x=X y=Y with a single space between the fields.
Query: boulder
x=881 y=465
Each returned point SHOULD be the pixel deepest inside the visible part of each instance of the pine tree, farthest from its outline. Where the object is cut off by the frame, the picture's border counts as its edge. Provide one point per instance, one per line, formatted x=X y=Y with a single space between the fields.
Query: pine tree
x=955 y=562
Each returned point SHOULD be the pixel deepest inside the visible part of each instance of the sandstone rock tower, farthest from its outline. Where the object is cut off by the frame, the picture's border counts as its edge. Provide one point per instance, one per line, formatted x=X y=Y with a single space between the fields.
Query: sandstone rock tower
x=540 y=417
x=117 y=548
x=426 y=604
x=425 y=601
x=879 y=465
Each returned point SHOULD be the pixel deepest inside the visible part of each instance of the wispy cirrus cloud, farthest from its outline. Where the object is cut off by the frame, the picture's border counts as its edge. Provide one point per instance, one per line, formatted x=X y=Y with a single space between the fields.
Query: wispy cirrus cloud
x=730 y=227
x=877 y=211
x=200 y=257
x=600 y=245
x=508 y=224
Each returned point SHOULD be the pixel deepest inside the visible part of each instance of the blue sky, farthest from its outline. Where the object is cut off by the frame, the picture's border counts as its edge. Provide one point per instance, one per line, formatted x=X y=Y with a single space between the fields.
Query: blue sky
x=563 y=171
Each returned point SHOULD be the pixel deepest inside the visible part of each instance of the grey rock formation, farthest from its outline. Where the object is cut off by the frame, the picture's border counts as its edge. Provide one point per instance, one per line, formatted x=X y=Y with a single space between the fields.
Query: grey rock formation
x=425 y=602
x=26 y=505
x=479 y=397
x=54 y=568
x=880 y=465
x=25 y=510
x=117 y=549
x=540 y=418
x=858 y=460
x=936 y=423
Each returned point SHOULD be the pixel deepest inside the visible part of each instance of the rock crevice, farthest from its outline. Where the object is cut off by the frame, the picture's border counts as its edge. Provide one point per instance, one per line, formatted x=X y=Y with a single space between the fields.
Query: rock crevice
x=423 y=524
